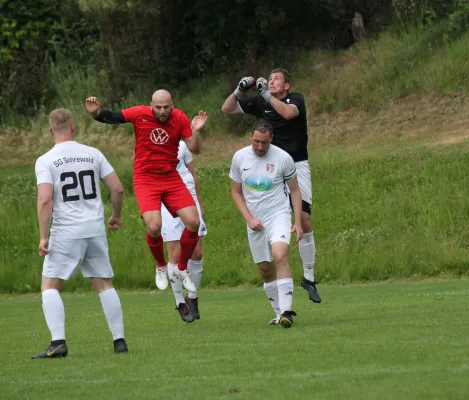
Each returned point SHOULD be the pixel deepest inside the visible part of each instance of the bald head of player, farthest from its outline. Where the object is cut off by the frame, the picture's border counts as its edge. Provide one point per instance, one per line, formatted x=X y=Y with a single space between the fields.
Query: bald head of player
x=261 y=137
x=162 y=105
x=61 y=125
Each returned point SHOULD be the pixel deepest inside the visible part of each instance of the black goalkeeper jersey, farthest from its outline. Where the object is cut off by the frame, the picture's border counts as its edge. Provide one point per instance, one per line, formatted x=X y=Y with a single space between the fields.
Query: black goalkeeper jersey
x=290 y=135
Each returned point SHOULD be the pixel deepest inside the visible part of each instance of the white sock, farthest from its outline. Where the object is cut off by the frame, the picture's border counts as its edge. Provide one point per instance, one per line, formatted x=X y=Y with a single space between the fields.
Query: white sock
x=54 y=312
x=113 y=312
x=176 y=285
x=308 y=255
x=196 y=268
x=285 y=294
x=272 y=293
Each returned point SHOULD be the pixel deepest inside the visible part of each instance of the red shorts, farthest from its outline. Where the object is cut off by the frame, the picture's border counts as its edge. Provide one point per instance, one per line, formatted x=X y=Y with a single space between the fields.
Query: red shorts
x=152 y=189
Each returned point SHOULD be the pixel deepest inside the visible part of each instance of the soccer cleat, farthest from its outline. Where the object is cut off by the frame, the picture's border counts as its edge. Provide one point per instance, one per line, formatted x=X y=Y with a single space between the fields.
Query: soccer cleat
x=161 y=279
x=185 y=278
x=193 y=306
x=120 y=346
x=310 y=287
x=286 y=319
x=185 y=313
x=54 y=351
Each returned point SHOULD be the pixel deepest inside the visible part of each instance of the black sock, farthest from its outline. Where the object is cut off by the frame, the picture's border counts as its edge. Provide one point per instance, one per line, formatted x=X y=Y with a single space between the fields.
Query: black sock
x=57 y=342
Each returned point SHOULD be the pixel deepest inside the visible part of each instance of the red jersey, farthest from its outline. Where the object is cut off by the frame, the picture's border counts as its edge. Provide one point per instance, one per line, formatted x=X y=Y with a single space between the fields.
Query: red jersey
x=157 y=143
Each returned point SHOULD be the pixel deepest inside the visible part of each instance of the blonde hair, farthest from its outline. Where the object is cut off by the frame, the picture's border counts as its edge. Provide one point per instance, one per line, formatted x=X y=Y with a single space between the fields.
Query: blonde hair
x=60 y=120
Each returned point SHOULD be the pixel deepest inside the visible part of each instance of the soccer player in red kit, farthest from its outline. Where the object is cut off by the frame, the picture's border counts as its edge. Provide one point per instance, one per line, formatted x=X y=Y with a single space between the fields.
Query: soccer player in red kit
x=158 y=129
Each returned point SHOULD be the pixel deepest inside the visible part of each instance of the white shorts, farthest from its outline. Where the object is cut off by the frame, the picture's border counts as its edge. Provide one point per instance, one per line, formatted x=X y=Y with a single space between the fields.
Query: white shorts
x=172 y=228
x=260 y=242
x=303 y=174
x=67 y=256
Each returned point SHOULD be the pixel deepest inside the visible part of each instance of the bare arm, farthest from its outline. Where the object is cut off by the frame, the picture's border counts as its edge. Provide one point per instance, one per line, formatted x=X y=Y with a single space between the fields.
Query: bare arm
x=238 y=198
x=297 y=209
x=114 y=185
x=191 y=169
x=44 y=213
x=287 y=111
x=193 y=142
x=231 y=106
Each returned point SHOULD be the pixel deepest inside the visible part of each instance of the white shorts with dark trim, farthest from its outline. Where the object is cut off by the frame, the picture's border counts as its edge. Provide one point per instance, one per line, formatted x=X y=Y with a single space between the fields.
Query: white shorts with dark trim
x=172 y=228
x=277 y=230
x=90 y=256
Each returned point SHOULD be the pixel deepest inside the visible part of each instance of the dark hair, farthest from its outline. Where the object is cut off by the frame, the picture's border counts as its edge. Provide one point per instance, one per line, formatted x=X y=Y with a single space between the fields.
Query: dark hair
x=284 y=72
x=262 y=126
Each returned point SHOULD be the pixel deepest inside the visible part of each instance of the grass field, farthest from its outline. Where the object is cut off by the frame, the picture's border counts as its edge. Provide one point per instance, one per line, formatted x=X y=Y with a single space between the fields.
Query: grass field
x=377 y=215
x=399 y=341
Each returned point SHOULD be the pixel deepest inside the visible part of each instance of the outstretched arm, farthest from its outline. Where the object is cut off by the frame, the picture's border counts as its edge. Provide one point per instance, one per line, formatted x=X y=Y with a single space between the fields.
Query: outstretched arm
x=105 y=116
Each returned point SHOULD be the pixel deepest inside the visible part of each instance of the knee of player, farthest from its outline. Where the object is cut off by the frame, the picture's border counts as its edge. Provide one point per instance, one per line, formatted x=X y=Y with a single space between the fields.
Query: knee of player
x=101 y=284
x=280 y=257
x=154 y=228
x=193 y=223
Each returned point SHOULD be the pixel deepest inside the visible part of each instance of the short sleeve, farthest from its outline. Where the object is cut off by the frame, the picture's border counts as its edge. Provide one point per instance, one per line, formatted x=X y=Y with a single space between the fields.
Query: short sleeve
x=105 y=168
x=298 y=101
x=235 y=174
x=185 y=126
x=43 y=173
x=253 y=106
x=130 y=114
x=289 y=169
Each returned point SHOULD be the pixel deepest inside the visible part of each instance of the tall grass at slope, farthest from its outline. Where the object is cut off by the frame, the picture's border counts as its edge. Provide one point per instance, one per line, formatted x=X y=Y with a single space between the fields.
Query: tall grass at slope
x=377 y=73
x=374 y=218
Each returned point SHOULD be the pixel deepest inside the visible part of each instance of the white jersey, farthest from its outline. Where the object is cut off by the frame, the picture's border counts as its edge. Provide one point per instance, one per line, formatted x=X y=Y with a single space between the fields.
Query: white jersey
x=185 y=157
x=263 y=180
x=75 y=171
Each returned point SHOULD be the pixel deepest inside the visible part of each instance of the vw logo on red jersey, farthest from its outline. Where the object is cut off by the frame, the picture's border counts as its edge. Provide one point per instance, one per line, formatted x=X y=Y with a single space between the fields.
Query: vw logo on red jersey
x=159 y=136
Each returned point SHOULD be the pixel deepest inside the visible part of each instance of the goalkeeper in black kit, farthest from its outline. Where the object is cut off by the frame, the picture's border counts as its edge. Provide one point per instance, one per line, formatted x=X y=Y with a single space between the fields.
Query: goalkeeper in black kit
x=286 y=111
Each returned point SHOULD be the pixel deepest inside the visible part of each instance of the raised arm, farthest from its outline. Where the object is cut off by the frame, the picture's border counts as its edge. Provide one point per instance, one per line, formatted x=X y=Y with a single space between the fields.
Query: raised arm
x=193 y=142
x=287 y=111
x=231 y=105
x=105 y=116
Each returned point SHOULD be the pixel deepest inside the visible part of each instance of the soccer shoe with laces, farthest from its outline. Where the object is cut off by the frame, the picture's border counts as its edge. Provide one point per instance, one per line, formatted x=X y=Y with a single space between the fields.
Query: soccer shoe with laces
x=185 y=278
x=310 y=287
x=161 y=279
x=193 y=306
x=286 y=319
x=185 y=313
x=54 y=351
x=120 y=346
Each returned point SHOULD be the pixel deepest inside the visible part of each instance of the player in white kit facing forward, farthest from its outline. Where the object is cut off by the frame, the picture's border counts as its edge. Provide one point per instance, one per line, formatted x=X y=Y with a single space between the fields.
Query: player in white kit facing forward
x=171 y=231
x=69 y=193
x=258 y=173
